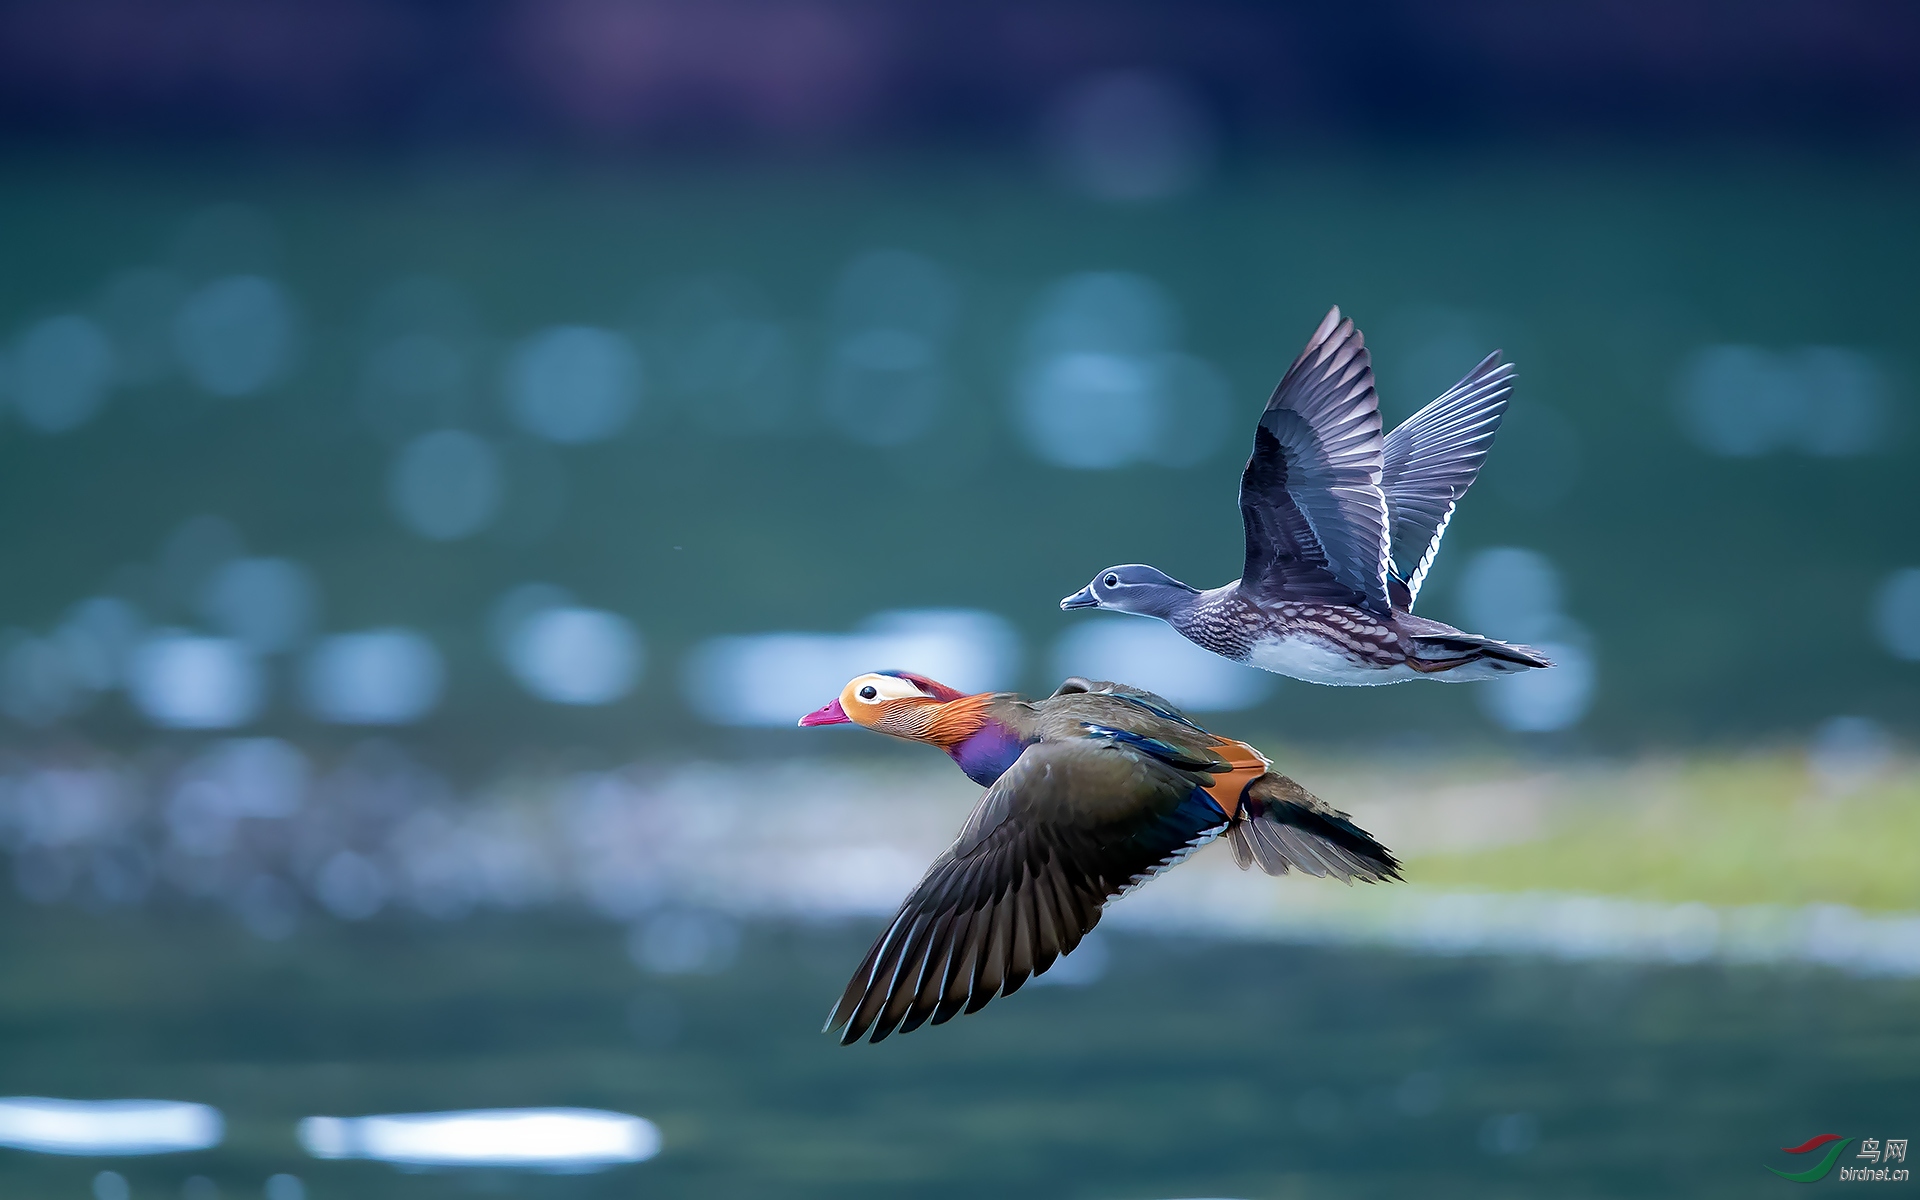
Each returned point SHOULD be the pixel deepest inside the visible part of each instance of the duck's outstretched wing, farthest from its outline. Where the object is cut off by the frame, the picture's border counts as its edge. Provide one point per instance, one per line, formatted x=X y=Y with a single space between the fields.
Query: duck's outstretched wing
x=1070 y=825
x=1430 y=462
x=1316 y=519
x=1283 y=827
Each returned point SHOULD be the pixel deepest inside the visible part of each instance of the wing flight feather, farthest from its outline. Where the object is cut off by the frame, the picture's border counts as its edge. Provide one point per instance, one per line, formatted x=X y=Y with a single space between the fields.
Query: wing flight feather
x=1430 y=461
x=1310 y=497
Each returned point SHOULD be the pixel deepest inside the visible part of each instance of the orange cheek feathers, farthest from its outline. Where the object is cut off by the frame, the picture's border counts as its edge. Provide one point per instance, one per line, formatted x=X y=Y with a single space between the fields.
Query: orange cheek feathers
x=901 y=718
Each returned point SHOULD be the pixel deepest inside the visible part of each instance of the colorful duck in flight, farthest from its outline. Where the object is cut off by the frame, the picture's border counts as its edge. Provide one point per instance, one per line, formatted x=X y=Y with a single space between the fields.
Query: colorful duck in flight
x=1090 y=793
x=1342 y=526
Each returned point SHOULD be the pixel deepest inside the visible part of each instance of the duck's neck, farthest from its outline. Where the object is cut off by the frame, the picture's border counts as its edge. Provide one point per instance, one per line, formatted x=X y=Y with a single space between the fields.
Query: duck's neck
x=982 y=745
x=1172 y=603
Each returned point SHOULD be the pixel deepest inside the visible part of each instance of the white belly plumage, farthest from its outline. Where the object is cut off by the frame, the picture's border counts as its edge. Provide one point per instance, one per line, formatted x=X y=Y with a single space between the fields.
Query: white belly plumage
x=1302 y=656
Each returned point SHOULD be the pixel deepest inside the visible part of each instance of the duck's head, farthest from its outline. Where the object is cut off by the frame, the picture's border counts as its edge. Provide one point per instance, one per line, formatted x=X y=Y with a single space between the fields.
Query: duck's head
x=893 y=702
x=916 y=708
x=1132 y=588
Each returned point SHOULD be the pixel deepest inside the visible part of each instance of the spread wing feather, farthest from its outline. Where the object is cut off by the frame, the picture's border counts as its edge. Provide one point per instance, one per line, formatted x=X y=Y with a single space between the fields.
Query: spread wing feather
x=1430 y=462
x=1315 y=515
x=1070 y=825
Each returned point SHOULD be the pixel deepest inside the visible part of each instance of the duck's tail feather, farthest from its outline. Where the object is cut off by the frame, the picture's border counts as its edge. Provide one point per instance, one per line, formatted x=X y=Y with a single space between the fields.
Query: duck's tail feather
x=1281 y=826
x=1457 y=657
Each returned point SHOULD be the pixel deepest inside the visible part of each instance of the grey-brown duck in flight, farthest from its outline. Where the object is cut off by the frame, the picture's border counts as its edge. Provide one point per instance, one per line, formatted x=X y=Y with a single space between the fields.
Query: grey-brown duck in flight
x=1342 y=525
x=1090 y=793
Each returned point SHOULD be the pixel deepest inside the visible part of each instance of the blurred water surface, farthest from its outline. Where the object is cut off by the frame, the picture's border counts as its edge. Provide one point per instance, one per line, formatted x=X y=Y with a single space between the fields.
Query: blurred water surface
x=1191 y=1067
x=1550 y=1004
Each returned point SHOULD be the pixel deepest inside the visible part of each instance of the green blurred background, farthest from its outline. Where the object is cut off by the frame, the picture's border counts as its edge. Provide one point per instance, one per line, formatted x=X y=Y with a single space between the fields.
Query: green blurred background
x=1728 y=598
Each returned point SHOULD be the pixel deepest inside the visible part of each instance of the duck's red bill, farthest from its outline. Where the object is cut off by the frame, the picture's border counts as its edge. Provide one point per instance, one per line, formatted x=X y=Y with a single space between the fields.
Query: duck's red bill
x=828 y=714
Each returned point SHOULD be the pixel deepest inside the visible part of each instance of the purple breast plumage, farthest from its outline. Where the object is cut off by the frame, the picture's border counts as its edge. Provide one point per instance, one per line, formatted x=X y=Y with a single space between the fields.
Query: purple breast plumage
x=985 y=754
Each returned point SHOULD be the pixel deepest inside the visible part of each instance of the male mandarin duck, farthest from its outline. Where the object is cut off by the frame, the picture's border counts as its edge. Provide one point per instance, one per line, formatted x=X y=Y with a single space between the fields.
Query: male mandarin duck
x=1342 y=526
x=1090 y=793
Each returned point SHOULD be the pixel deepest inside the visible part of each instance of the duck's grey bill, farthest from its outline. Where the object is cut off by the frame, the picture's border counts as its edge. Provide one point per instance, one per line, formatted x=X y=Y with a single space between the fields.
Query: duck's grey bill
x=1081 y=599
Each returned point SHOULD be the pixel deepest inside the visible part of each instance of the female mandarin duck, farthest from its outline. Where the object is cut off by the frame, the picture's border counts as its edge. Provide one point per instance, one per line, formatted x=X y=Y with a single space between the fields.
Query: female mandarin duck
x=1090 y=793
x=1342 y=526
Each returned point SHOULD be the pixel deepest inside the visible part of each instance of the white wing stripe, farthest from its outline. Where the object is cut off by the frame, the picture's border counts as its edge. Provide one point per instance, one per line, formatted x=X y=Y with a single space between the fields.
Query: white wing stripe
x=1431 y=460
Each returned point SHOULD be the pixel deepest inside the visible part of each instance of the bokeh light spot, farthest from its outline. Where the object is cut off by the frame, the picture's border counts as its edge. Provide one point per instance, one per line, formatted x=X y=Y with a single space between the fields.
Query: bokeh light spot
x=98 y=636
x=1090 y=410
x=351 y=886
x=1515 y=594
x=376 y=677
x=1103 y=385
x=285 y=1187
x=537 y=1138
x=100 y=1127
x=574 y=384
x=1744 y=401
x=235 y=336
x=1508 y=592
x=61 y=369
x=267 y=604
x=183 y=681
x=445 y=485
x=570 y=655
x=1896 y=614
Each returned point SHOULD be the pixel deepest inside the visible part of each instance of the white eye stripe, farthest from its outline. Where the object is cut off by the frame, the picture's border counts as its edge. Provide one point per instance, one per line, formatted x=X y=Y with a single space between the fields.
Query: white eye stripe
x=874 y=689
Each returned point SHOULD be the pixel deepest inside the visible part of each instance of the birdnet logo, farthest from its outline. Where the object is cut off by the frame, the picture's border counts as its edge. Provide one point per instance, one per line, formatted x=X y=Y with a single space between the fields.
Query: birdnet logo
x=1875 y=1151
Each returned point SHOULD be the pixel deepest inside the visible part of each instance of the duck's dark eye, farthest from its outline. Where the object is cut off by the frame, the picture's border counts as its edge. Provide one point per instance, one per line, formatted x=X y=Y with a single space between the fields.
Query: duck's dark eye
x=868 y=692
x=1111 y=581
